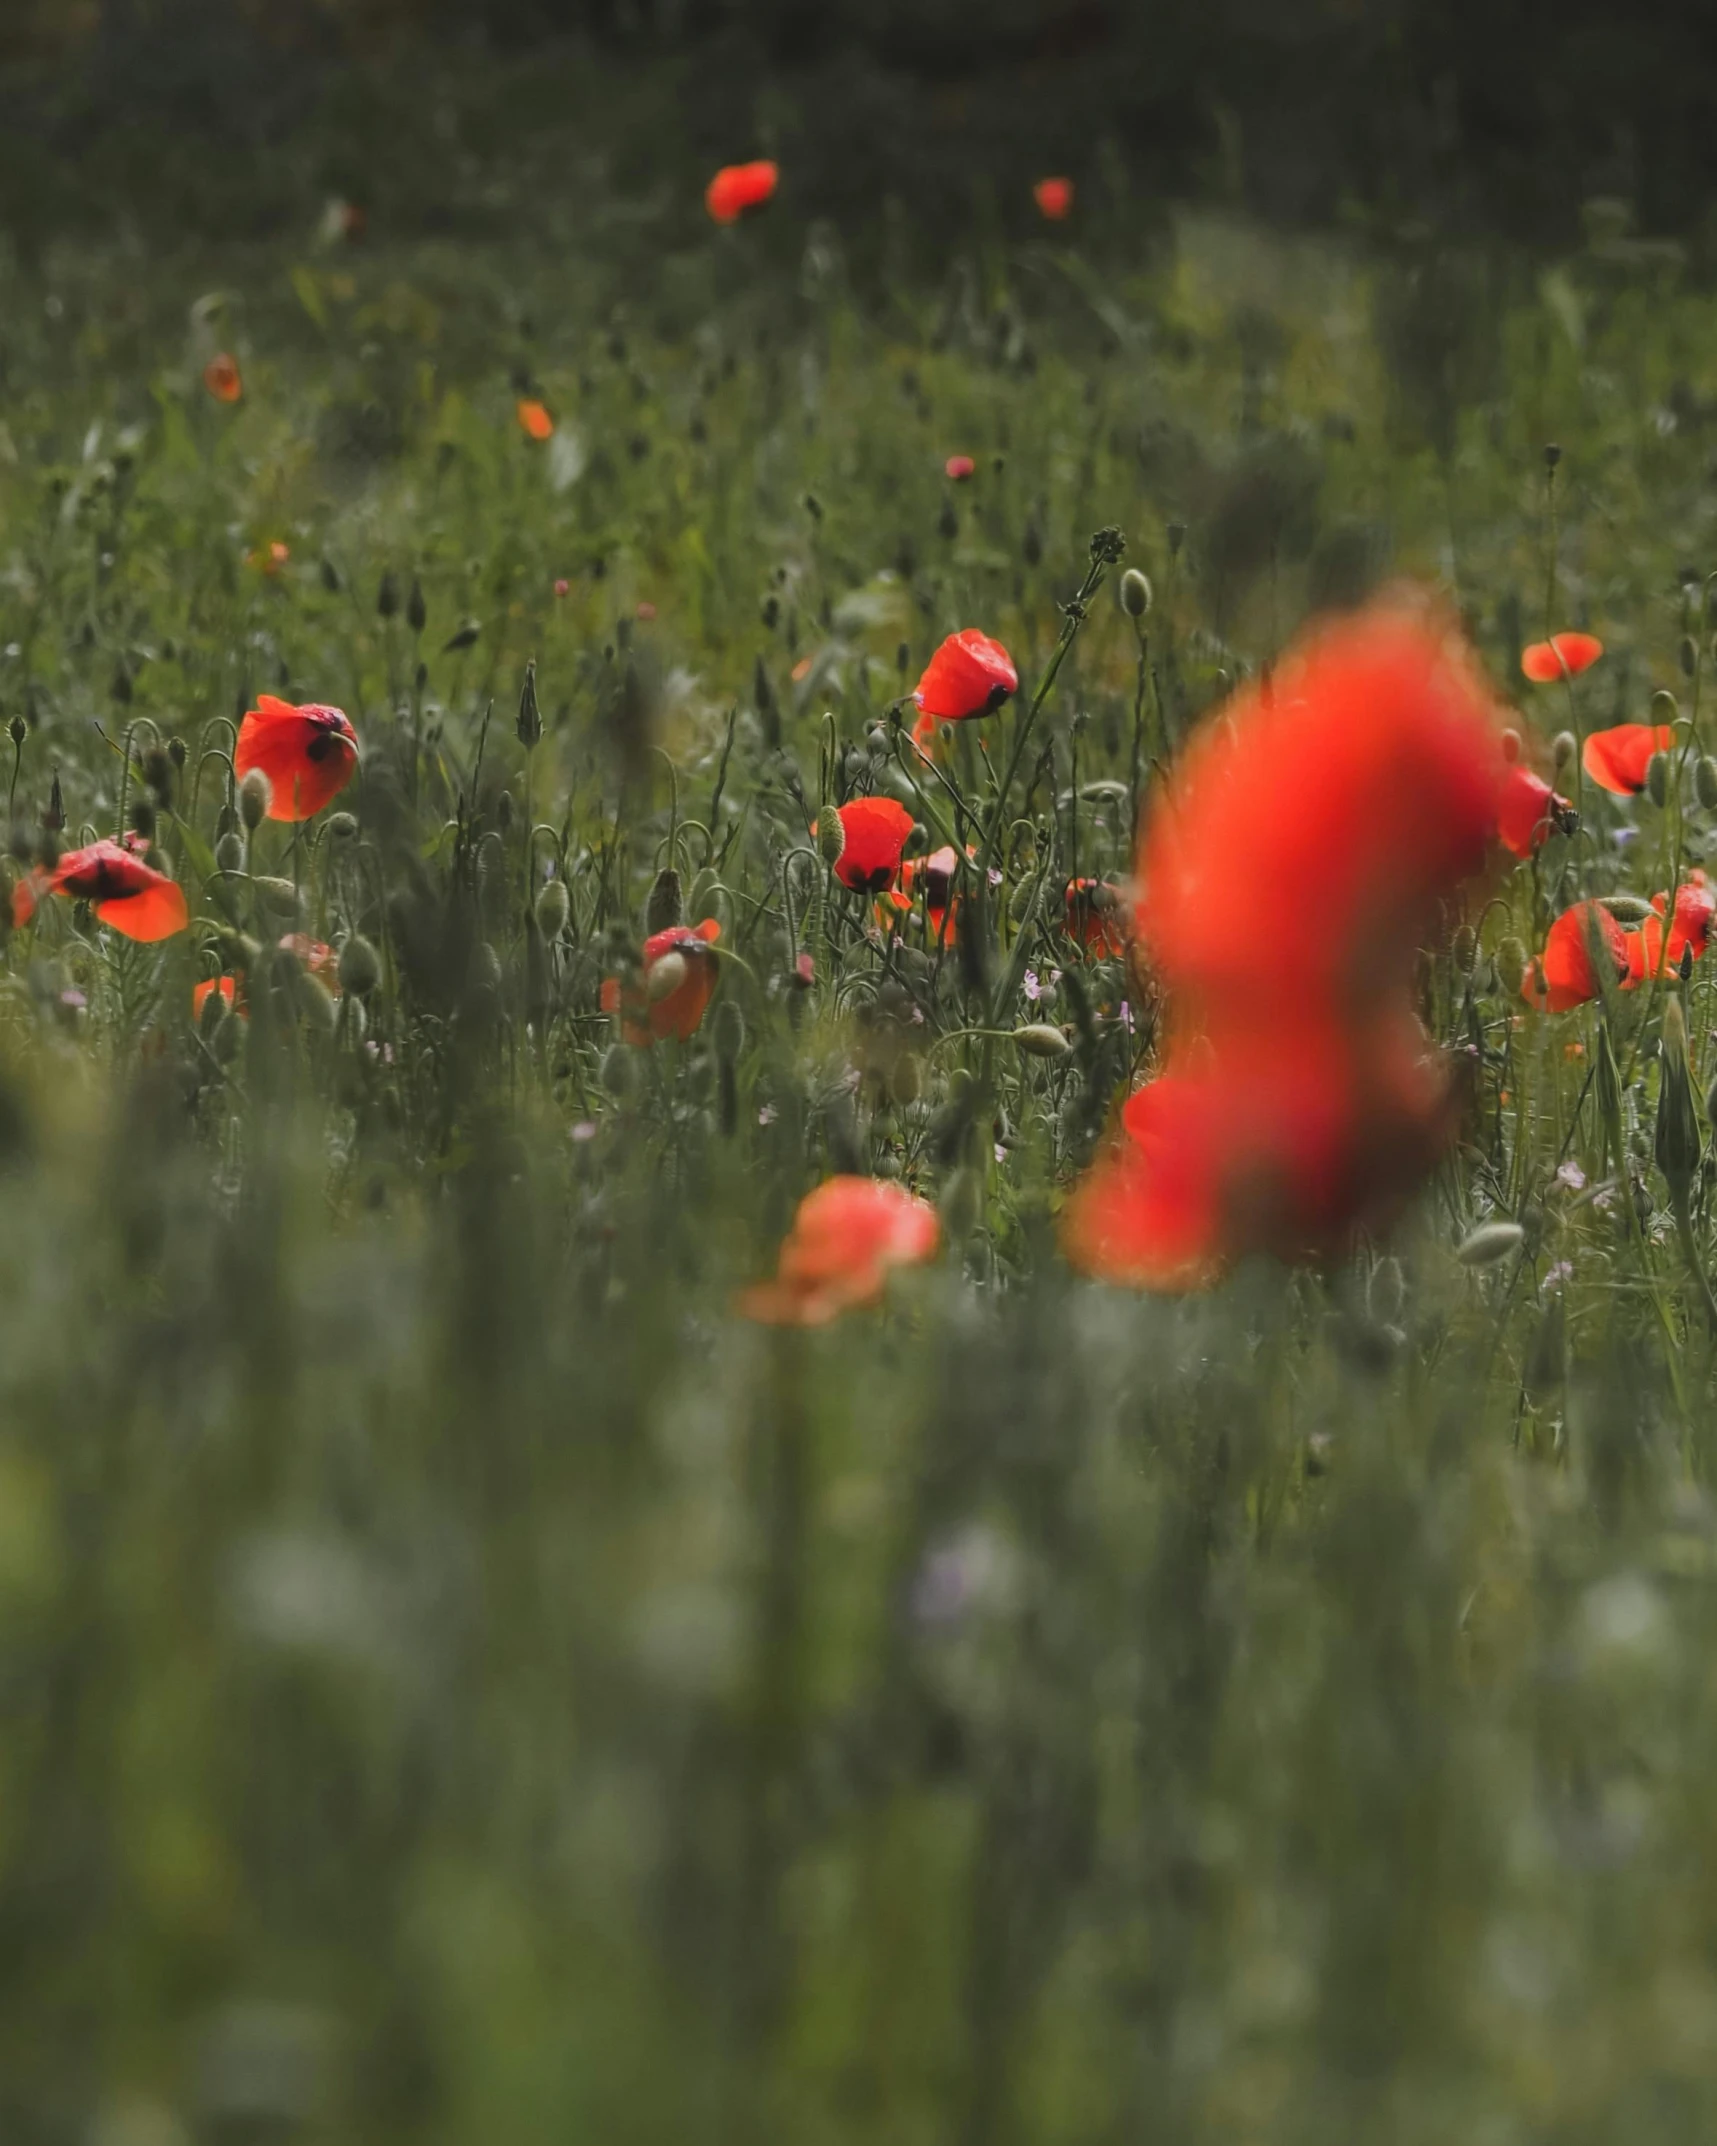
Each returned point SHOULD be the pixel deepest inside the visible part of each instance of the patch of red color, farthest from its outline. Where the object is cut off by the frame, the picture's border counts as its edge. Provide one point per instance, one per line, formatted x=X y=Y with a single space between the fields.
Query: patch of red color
x=136 y=900
x=1583 y=940
x=969 y=675
x=222 y=378
x=308 y=754
x=1617 y=759
x=847 y=1237
x=738 y=189
x=648 y=1016
x=874 y=832
x=1054 y=198
x=1564 y=655
x=1529 y=812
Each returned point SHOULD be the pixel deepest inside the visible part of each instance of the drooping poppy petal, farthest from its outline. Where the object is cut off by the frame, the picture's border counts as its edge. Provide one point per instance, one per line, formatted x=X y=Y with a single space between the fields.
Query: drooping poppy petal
x=737 y=189
x=1054 y=198
x=1564 y=655
x=934 y=876
x=535 y=422
x=136 y=900
x=847 y=1237
x=649 y=1013
x=1529 y=812
x=1617 y=759
x=1567 y=973
x=308 y=754
x=222 y=379
x=969 y=675
x=958 y=468
x=1097 y=917
x=874 y=831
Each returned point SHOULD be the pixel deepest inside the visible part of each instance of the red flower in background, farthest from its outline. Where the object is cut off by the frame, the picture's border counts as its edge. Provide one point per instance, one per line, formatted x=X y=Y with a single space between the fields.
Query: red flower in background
x=136 y=900
x=307 y=753
x=1564 y=655
x=1096 y=917
x=936 y=874
x=969 y=675
x=1617 y=759
x=874 y=832
x=222 y=379
x=739 y=188
x=535 y=419
x=1689 y=930
x=1054 y=198
x=1530 y=811
x=1565 y=974
x=958 y=468
x=671 y=1002
x=846 y=1238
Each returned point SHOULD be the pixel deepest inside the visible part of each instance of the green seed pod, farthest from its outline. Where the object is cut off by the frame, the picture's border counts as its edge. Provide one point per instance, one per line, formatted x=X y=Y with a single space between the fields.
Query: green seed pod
x=1657 y=778
x=1135 y=593
x=341 y=827
x=255 y=795
x=1705 y=782
x=360 y=966
x=1564 y=748
x=1510 y=965
x=727 y=1032
x=554 y=906
x=619 y=1071
x=1462 y=948
x=230 y=853
x=666 y=906
x=1039 y=1040
x=1490 y=1242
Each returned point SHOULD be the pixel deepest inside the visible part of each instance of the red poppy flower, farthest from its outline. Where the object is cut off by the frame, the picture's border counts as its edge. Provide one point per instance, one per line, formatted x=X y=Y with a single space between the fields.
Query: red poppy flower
x=936 y=874
x=136 y=900
x=1564 y=975
x=1529 y=812
x=307 y=753
x=221 y=378
x=969 y=675
x=1564 y=655
x=737 y=189
x=1689 y=930
x=535 y=422
x=222 y=986
x=1054 y=198
x=1096 y=917
x=669 y=1003
x=958 y=468
x=269 y=558
x=874 y=832
x=1617 y=759
x=846 y=1238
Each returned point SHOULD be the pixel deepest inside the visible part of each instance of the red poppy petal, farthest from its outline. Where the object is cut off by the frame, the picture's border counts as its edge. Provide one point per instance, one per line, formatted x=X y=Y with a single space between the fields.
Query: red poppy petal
x=157 y=912
x=1564 y=655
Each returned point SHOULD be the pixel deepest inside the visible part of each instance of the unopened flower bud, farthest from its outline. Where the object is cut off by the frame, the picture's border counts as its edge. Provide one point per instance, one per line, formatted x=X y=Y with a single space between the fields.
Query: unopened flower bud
x=141 y=815
x=360 y=967
x=1705 y=781
x=727 y=1032
x=554 y=906
x=1463 y=948
x=529 y=723
x=1511 y=745
x=666 y=906
x=1039 y=1040
x=1689 y=655
x=1510 y=966
x=1491 y=1241
x=1657 y=778
x=664 y=977
x=1563 y=749
x=314 y=1002
x=229 y=853
x=831 y=836
x=17 y=730
x=341 y=827
x=176 y=752
x=619 y=1071
x=255 y=795
x=1135 y=593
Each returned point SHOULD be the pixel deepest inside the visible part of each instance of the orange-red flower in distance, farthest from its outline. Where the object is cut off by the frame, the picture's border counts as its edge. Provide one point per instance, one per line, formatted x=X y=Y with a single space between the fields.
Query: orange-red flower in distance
x=649 y=1014
x=1564 y=655
x=269 y=558
x=131 y=896
x=968 y=675
x=845 y=1239
x=874 y=832
x=1689 y=930
x=958 y=468
x=221 y=378
x=1617 y=759
x=307 y=753
x=1054 y=198
x=737 y=189
x=1096 y=917
x=1529 y=812
x=534 y=419
x=1567 y=973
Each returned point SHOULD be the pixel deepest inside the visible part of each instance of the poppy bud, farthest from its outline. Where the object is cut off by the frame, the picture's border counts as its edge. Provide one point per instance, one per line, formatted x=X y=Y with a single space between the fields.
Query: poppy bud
x=1628 y=908
x=1511 y=746
x=727 y=1032
x=1705 y=781
x=1135 y=593
x=1039 y=1040
x=387 y=595
x=314 y=1002
x=1552 y=454
x=142 y=817
x=1510 y=966
x=158 y=774
x=529 y=723
x=360 y=966
x=17 y=730
x=554 y=906
x=1677 y=1141
x=278 y=896
x=416 y=610
x=1689 y=656
x=619 y=1071
x=331 y=577
x=831 y=836
x=666 y=906
x=664 y=977
x=1563 y=748
x=1491 y=1241
x=1657 y=778
x=229 y=853
x=54 y=814
x=255 y=795
x=342 y=827
x=504 y=811
x=1463 y=948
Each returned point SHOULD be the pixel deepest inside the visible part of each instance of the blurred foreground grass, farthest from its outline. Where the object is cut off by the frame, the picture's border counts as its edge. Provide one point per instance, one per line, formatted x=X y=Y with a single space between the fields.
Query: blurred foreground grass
x=456 y=1682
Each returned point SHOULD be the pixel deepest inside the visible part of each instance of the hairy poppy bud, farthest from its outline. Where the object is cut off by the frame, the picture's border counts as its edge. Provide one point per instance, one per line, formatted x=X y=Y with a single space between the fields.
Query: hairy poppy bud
x=1628 y=908
x=17 y=730
x=211 y=1014
x=619 y=1071
x=255 y=795
x=529 y=722
x=229 y=853
x=314 y=1002
x=1563 y=748
x=1463 y=948
x=666 y=906
x=1511 y=746
x=554 y=906
x=416 y=610
x=387 y=595
x=1657 y=778
x=360 y=968
x=1491 y=1241
x=664 y=977
x=1705 y=781
x=176 y=753
x=1135 y=593
x=342 y=827
x=278 y=896
x=1510 y=966
x=141 y=815
x=1039 y=1040
x=831 y=836
x=504 y=811
x=1677 y=1141
x=158 y=774
x=1689 y=655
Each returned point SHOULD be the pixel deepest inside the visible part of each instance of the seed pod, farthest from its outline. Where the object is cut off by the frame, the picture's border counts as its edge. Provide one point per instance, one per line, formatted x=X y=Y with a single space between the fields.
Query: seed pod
x=1510 y=965
x=229 y=853
x=1135 y=593
x=1039 y=1040
x=554 y=907
x=1564 y=748
x=666 y=906
x=665 y=977
x=1491 y=1241
x=1657 y=778
x=1705 y=781
x=360 y=968
x=255 y=795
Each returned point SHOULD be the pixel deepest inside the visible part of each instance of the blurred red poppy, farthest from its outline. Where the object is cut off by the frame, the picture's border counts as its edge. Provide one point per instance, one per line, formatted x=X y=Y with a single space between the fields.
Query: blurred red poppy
x=535 y=422
x=846 y=1238
x=1617 y=759
x=673 y=999
x=958 y=468
x=1097 y=917
x=308 y=754
x=874 y=832
x=1529 y=812
x=1564 y=655
x=221 y=378
x=269 y=558
x=737 y=189
x=1054 y=198
x=136 y=900
x=969 y=675
x=1567 y=973
x=1689 y=930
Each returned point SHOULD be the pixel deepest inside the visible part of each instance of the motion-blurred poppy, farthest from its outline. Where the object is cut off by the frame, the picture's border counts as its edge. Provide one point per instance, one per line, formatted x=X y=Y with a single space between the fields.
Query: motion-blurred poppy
x=534 y=419
x=1617 y=759
x=846 y=1238
x=1096 y=917
x=1054 y=198
x=1529 y=812
x=1564 y=655
x=873 y=832
x=221 y=378
x=969 y=675
x=308 y=754
x=1568 y=971
x=671 y=1001
x=1689 y=930
x=958 y=468
x=136 y=900
x=737 y=189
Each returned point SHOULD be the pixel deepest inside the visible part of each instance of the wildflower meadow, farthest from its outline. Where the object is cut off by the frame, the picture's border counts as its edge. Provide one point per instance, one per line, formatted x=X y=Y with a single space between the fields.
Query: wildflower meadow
x=856 y=1111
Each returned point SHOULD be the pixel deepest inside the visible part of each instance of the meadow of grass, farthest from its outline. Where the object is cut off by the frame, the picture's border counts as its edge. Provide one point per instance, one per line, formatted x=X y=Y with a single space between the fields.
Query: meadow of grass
x=460 y=1682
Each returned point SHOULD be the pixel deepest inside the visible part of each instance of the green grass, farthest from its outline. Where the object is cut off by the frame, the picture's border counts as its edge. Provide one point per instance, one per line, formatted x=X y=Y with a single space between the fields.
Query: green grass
x=459 y=1683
